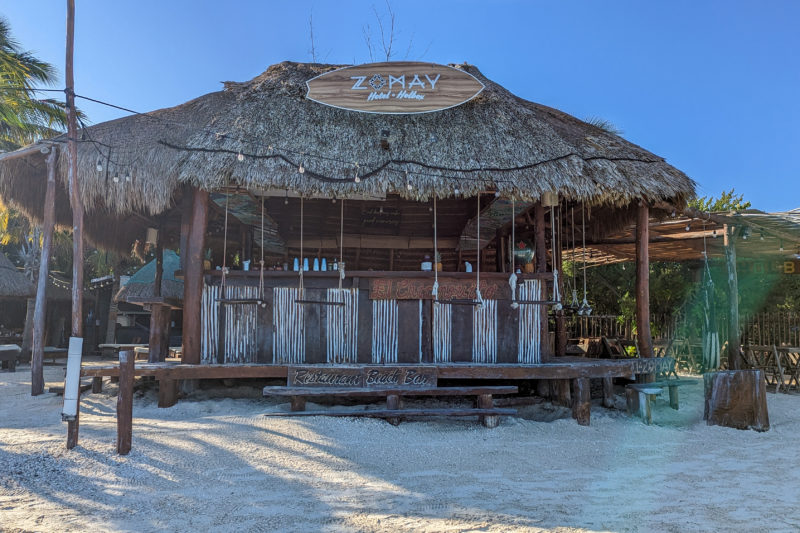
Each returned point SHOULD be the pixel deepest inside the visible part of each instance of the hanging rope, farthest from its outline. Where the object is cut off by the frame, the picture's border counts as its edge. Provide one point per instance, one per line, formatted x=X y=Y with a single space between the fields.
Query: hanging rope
x=341 y=245
x=574 y=303
x=302 y=259
x=435 y=291
x=478 y=261
x=585 y=308
x=261 y=262
x=512 y=279
x=225 y=243
x=553 y=243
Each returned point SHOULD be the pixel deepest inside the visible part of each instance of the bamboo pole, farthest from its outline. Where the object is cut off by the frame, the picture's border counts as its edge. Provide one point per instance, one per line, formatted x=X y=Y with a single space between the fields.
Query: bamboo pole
x=37 y=356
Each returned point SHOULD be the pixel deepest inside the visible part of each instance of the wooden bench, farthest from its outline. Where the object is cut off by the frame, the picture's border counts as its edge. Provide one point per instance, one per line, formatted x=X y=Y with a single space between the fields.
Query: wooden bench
x=9 y=354
x=487 y=413
x=640 y=396
x=53 y=353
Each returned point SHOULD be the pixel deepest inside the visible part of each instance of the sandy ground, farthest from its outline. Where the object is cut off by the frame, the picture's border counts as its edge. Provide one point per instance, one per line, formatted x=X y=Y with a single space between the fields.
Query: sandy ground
x=216 y=465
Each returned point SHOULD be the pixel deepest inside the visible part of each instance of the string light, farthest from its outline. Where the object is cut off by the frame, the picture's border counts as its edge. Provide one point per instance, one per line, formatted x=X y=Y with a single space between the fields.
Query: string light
x=240 y=156
x=301 y=170
x=99 y=165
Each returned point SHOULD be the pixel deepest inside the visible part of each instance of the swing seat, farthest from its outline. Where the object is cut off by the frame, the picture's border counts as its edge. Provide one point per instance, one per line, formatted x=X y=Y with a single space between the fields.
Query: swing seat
x=536 y=302
x=240 y=301
x=317 y=302
x=461 y=302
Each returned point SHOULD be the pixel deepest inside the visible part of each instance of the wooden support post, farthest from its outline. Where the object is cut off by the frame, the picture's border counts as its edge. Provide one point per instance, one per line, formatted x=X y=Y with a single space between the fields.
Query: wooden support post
x=485 y=401
x=543 y=388
x=160 y=316
x=562 y=393
x=40 y=312
x=97 y=384
x=734 y=345
x=298 y=403
x=125 y=402
x=186 y=224
x=75 y=202
x=608 y=392
x=644 y=339
x=193 y=278
x=500 y=256
x=393 y=403
x=673 y=397
x=167 y=392
x=540 y=243
x=736 y=399
x=581 y=401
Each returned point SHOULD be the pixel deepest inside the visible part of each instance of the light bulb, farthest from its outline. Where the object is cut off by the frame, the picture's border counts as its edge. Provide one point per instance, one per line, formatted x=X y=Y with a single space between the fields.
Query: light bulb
x=688 y=227
x=456 y=191
x=409 y=186
x=714 y=234
x=357 y=180
x=333 y=201
x=115 y=179
x=99 y=166
x=240 y=157
x=497 y=194
x=301 y=170
x=127 y=176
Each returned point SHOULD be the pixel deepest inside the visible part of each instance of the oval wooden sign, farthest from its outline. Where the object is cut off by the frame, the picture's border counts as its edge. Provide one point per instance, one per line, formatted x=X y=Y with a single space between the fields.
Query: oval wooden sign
x=397 y=87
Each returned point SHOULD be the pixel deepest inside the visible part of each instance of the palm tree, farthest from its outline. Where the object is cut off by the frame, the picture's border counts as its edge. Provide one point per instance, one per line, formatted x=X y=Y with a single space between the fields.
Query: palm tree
x=24 y=118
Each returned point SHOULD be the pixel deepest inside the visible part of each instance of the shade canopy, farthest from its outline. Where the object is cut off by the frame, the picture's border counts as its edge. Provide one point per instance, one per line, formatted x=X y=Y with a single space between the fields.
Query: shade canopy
x=140 y=286
x=264 y=135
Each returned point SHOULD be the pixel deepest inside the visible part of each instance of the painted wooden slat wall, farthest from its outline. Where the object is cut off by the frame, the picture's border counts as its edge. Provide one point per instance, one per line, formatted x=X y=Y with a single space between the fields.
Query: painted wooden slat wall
x=342 y=326
x=484 y=336
x=530 y=316
x=241 y=326
x=384 y=331
x=442 y=331
x=288 y=321
x=209 y=318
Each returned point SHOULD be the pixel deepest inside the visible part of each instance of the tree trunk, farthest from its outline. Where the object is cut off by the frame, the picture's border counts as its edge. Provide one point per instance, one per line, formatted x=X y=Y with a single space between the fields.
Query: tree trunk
x=193 y=278
x=734 y=347
x=645 y=341
x=27 y=332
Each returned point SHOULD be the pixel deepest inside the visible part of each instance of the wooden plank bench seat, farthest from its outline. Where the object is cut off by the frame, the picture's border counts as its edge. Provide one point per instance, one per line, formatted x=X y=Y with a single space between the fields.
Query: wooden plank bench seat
x=489 y=415
x=640 y=396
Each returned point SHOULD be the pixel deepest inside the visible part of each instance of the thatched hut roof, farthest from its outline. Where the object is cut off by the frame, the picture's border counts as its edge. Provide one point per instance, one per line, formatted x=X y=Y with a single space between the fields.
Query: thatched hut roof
x=258 y=134
x=139 y=288
x=13 y=283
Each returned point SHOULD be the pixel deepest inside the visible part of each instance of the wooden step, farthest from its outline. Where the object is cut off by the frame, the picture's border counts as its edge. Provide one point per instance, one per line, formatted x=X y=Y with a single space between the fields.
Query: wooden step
x=400 y=413
x=281 y=390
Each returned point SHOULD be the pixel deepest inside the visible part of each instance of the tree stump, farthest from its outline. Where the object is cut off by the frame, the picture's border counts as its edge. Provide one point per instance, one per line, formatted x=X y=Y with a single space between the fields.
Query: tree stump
x=736 y=399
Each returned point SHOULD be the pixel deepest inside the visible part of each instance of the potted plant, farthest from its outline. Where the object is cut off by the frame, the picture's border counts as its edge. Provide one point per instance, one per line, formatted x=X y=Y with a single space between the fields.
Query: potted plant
x=207 y=260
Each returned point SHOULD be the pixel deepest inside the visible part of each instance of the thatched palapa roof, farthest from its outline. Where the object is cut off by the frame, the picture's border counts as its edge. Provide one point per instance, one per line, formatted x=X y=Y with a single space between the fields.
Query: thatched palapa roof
x=13 y=283
x=139 y=288
x=258 y=134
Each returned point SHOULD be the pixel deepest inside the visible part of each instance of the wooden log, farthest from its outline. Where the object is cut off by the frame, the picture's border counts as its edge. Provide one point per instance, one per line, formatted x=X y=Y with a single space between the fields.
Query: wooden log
x=125 y=402
x=167 y=392
x=562 y=392
x=393 y=404
x=387 y=413
x=193 y=278
x=159 y=332
x=644 y=338
x=673 y=398
x=40 y=312
x=608 y=392
x=298 y=403
x=581 y=401
x=734 y=347
x=736 y=399
x=97 y=384
x=485 y=401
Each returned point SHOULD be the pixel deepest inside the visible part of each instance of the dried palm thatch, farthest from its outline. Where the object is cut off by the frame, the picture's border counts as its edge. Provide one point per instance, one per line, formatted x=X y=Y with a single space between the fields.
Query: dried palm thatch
x=258 y=134
x=13 y=283
x=139 y=288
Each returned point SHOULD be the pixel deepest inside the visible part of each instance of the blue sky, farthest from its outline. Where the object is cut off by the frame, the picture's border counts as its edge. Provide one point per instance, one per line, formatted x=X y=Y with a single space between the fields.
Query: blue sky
x=713 y=87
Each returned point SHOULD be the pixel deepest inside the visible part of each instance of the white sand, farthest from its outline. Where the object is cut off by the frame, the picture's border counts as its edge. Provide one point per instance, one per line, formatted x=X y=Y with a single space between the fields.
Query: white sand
x=216 y=465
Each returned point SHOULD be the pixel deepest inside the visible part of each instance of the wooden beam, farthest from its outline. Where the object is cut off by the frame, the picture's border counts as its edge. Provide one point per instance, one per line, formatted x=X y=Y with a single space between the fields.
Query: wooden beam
x=40 y=312
x=159 y=332
x=193 y=278
x=734 y=346
x=125 y=402
x=645 y=341
x=385 y=242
